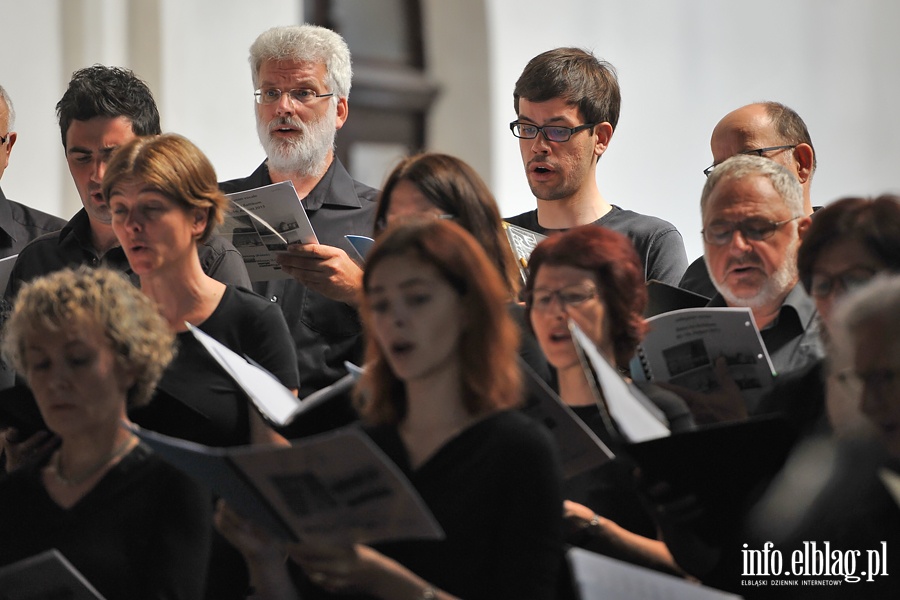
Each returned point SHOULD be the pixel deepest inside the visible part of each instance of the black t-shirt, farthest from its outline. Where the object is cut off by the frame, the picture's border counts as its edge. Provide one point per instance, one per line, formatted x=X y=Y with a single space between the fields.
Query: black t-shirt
x=658 y=243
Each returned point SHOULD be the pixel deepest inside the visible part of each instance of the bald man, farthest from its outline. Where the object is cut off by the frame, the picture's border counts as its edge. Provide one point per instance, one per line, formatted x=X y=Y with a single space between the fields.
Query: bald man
x=768 y=129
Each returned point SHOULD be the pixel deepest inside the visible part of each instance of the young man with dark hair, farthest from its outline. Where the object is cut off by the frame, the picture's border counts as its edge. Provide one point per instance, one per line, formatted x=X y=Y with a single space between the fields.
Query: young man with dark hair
x=567 y=105
x=103 y=108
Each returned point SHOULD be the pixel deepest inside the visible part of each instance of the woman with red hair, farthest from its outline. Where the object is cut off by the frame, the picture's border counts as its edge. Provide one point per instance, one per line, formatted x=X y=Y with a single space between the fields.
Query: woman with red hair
x=593 y=276
x=441 y=375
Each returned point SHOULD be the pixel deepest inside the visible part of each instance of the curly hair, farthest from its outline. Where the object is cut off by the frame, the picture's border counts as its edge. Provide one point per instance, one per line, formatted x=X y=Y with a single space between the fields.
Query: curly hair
x=100 y=91
x=305 y=43
x=175 y=167
x=78 y=300
x=489 y=341
x=617 y=269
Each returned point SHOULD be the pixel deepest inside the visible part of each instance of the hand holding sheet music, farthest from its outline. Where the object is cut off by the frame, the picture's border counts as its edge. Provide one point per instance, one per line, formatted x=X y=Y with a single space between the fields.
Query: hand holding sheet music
x=682 y=348
x=264 y=221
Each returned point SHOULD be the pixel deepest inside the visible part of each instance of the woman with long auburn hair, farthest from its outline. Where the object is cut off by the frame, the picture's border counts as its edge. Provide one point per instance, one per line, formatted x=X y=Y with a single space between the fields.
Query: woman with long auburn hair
x=441 y=374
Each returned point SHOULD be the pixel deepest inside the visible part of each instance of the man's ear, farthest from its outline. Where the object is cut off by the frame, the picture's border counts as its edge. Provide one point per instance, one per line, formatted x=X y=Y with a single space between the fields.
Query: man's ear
x=5 y=152
x=803 y=155
x=343 y=109
x=604 y=132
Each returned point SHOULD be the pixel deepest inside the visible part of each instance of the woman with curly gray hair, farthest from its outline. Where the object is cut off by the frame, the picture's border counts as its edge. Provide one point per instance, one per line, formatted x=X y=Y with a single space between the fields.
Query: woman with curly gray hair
x=91 y=345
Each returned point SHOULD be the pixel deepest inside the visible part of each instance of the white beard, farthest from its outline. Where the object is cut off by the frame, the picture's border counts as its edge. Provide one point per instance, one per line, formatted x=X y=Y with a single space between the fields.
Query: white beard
x=307 y=155
x=775 y=287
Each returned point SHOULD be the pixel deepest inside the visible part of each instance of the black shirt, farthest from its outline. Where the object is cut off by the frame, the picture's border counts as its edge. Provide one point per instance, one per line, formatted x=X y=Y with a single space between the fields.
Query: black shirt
x=19 y=224
x=326 y=332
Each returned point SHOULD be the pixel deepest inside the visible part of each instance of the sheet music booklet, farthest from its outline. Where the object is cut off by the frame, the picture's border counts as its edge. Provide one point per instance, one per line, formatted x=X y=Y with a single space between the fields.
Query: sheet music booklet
x=47 y=575
x=263 y=222
x=337 y=487
x=522 y=241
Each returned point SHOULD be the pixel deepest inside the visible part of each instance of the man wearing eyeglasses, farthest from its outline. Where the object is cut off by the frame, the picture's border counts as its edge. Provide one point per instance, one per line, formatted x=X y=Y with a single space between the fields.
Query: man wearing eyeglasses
x=753 y=218
x=301 y=77
x=567 y=106
x=767 y=129
x=19 y=224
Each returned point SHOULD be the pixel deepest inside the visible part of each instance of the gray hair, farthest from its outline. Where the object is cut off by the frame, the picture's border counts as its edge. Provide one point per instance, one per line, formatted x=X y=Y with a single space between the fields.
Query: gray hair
x=304 y=43
x=11 y=119
x=878 y=300
x=744 y=165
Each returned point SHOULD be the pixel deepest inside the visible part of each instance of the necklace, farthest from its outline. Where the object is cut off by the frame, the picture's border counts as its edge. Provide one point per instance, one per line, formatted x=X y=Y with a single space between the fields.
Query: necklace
x=86 y=474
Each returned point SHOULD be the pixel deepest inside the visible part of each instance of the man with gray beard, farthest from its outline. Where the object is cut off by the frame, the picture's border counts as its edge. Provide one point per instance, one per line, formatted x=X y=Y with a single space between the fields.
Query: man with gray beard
x=753 y=219
x=301 y=75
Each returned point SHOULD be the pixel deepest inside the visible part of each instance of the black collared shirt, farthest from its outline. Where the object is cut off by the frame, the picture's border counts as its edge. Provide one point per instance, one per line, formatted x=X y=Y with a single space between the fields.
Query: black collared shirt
x=19 y=224
x=326 y=332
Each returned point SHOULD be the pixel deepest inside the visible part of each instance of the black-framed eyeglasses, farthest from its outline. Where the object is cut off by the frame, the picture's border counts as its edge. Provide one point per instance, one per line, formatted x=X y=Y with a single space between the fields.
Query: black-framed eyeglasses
x=821 y=286
x=273 y=95
x=552 y=133
x=540 y=300
x=756 y=151
x=3 y=139
x=753 y=230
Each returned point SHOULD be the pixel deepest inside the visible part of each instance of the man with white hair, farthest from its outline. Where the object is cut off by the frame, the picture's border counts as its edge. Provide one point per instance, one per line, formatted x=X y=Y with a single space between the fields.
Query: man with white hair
x=301 y=75
x=19 y=224
x=753 y=217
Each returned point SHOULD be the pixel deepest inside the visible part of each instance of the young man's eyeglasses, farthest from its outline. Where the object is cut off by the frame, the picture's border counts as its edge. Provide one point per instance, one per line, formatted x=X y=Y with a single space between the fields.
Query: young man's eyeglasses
x=552 y=133
x=753 y=230
x=541 y=300
x=273 y=95
x=756 y=151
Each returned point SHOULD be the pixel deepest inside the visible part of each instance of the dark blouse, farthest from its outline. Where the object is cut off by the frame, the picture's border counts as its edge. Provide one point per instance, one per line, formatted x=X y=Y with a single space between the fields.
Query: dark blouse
x=141 y=533
x=494 y=489
x=196 y=399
